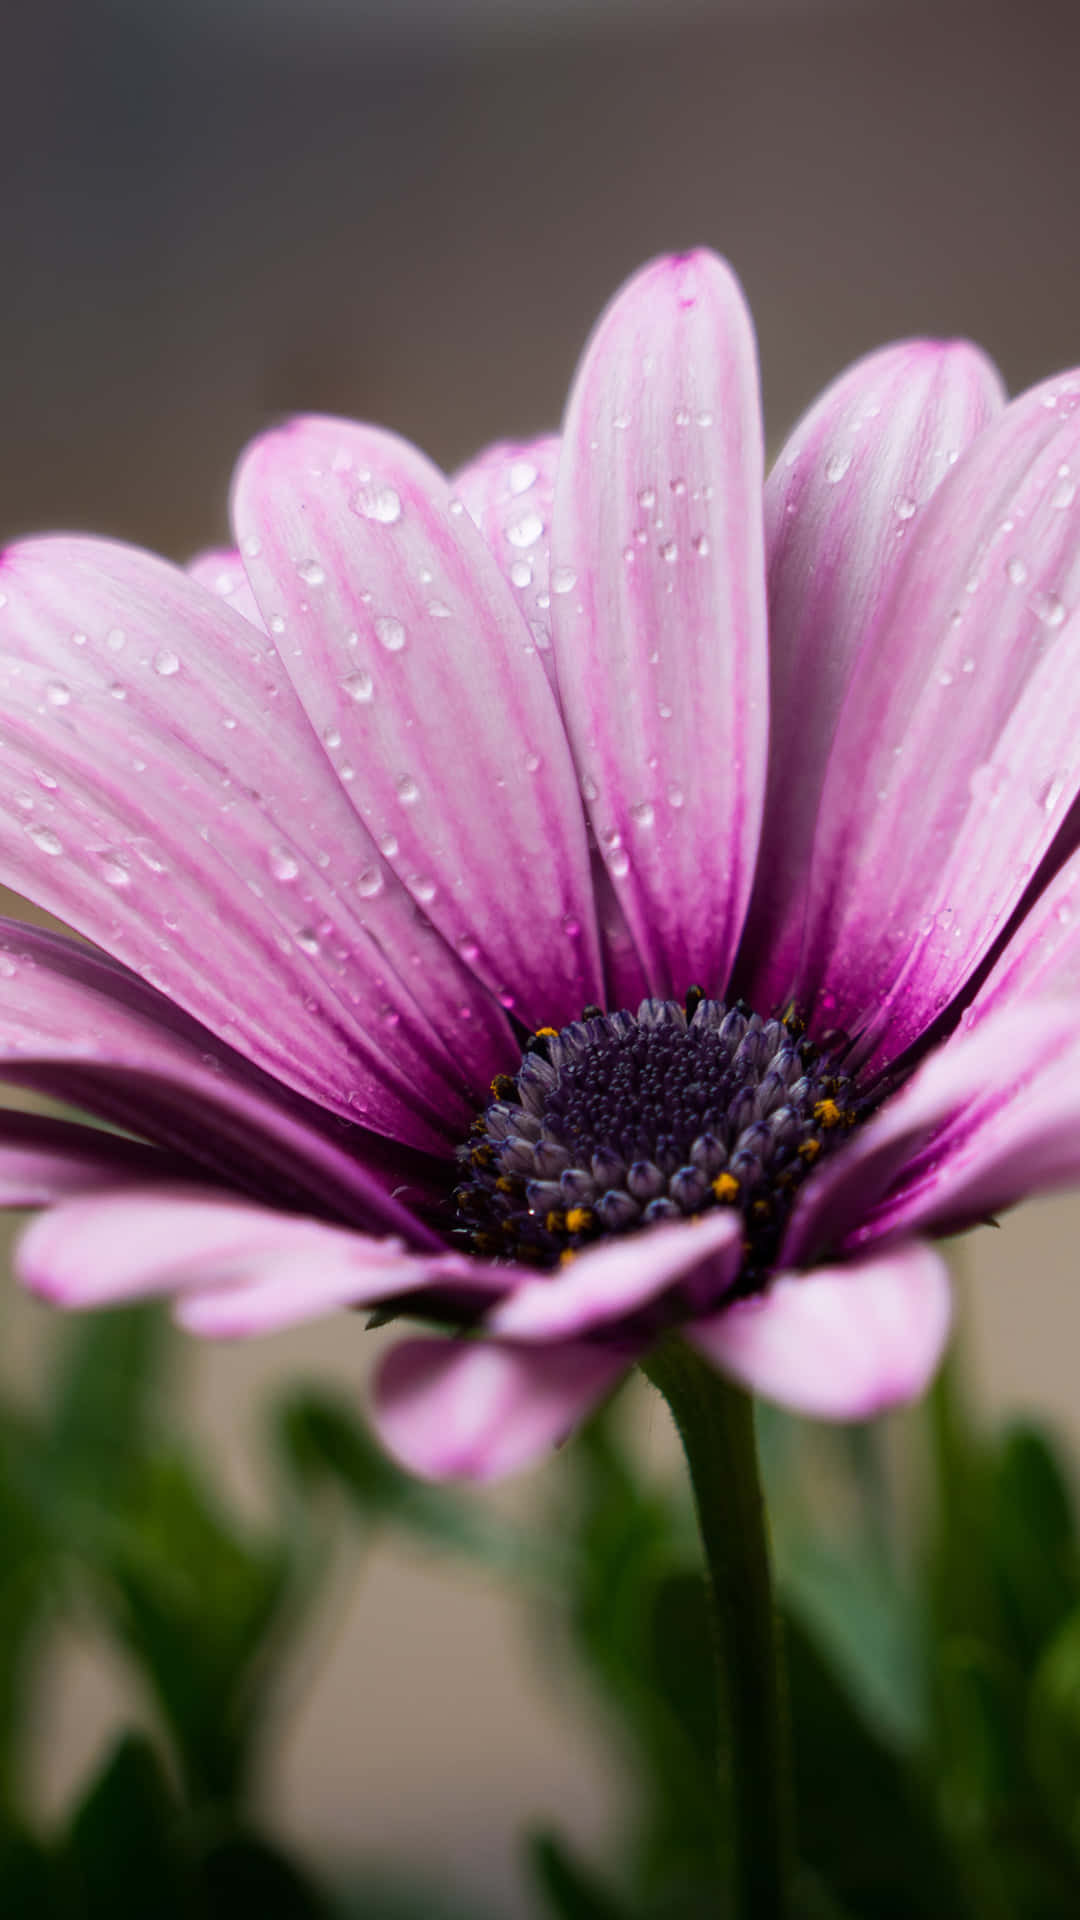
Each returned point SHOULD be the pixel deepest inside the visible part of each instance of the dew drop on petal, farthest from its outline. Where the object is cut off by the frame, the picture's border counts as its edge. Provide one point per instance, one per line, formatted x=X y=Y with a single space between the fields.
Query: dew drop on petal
x=283 y=864
x=331 y=737
x=526 y=531
x=522 y=476
x=643 y=812
x=307 y=940
x=669 y=552
x=407 y=790
x=563 y=580
x=390 y=633
x=1064 y=492
x=521 y=573
x=619 y=863
x=115 y=639
x=647 y=498
x=166 y=662
x=45 y=839
x=836 y=466
x=700 y=544
x=388 y=845
x=312 y=573
x=675 y=794
x=438 y=610
x=57 y=694
x=905 y=508
x=1016 y=570
x=369 y=882
x=375 y=502
x=1049 y=609
x=359 y=686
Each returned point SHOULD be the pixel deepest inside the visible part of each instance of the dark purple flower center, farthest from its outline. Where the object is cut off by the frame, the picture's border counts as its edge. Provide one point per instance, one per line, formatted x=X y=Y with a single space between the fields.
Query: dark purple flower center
x=624 y=1119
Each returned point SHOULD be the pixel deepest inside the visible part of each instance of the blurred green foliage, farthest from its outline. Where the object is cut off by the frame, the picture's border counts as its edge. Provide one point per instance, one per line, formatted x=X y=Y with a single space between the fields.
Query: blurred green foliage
x=930 y=1583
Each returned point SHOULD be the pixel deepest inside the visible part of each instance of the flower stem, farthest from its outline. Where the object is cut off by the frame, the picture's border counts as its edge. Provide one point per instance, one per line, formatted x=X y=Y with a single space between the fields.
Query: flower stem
x=716 y=1425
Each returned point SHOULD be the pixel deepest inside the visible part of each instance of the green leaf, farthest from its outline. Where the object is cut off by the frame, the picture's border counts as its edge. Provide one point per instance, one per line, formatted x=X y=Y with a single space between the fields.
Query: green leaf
x=323 y=1443
x=105 y=1396
x=28 y=1878
x=571 y=1891
x=198 y=1605
x=863 y=1826
x=1034 y=1540
x=240 y=1874
x=1054 y=1729
x=123 y=1860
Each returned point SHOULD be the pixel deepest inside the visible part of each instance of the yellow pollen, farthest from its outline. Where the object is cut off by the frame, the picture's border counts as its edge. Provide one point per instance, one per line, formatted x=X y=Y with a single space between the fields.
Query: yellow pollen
x=503 y=1087
x=547 y=1033
x=809 y=1151
x=827 y=1113
x=565 y=1257
x=726 y=1188
x=505 y=1183
x=577 y=1219
x=554 y=1221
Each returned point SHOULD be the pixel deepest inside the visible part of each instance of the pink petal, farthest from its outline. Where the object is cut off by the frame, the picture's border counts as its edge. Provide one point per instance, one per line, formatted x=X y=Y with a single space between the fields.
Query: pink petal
x=242 y=1269
x=509 y=490
x=958 y=750
x=619 y=1276
x=958 y=1102
x=406 y=646
x=841 y=506
x=1042 y=958
x=44 y=1160
x=80 y=1028
x=220 y=570
x=839 y=1343
x=473 y=1410
x=658 y=610
x=162 y=791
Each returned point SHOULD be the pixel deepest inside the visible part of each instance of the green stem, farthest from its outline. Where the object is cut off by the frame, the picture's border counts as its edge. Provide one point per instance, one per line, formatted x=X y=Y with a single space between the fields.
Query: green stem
x=716 y=1425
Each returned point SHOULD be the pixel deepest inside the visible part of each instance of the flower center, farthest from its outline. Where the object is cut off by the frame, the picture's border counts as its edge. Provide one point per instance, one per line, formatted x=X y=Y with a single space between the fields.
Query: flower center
x=621 y=1120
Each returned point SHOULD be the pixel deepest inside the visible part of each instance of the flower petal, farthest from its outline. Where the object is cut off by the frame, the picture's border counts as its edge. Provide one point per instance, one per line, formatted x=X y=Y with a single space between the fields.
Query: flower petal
x=957 y=753
x=162 y=791
x=476 y=1410
x=404 y=642
x=959 y=1102
x=840 y=1343
x=43 y=1160
x=1042 y=957
x=247 y=1269
x=617 y=1277
x=509 y=490
x=658 y=610
x=220 y=570
x=82 y=1029
x=841 y=505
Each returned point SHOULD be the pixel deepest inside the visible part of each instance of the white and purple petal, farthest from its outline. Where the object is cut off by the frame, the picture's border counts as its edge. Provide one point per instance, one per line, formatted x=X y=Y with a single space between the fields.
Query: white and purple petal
x=658 y=611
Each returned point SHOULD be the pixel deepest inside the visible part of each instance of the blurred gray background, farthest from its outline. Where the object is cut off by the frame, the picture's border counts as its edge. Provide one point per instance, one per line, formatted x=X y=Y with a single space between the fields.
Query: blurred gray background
x=216 y=211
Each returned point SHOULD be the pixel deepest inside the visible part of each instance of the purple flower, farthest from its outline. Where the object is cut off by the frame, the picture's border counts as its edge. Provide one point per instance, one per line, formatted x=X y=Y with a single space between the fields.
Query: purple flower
x=429 y=785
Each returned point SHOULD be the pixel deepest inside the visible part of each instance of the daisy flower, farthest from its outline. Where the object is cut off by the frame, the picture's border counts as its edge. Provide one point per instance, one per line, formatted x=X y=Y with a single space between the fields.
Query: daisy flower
x=603 y=893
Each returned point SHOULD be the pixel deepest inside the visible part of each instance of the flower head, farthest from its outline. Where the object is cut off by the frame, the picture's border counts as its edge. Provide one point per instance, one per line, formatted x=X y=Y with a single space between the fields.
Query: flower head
x=605 y=892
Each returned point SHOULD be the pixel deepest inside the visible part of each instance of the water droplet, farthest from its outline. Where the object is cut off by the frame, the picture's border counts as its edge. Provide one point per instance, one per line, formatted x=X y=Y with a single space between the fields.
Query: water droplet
x=1064 y=913
x=45 y=839
x=251 y=545
x=521 y=573
x=700 y=544
x=571 y=926
x=968 y=665
x=277 y=623
x=115 y=639
x=643 y=812
x=45 y=780
x=836 y=466
x=1016 y=570
x=678 y=488
x=439 y=610
x=375 y=502
x=468 y=948
x=388 y=845
x=589 y=789
x=283 y=864
x=704 y=418
x=119 y=692
x=78 y=639
x=669 y=552
x=422 y=888
x=532 y=763
x=563 y=580
x=113 y=872
x=619 y=863
x=647 y=499
x=1050 y=793
x=1064 y=493
x=946 y=677
x=312 y=573
x=369 y=883
x=166 y=662
x=407 y=790
x=664 y=710
x=675 y=794
x=682 y=416
x=307 y=940
x=57 y=694
x=331 y=737
x=359 y=686
x=526 y=531
x=390 y=633
x=522 y=476
x=1049 y=609
x=905 y=508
